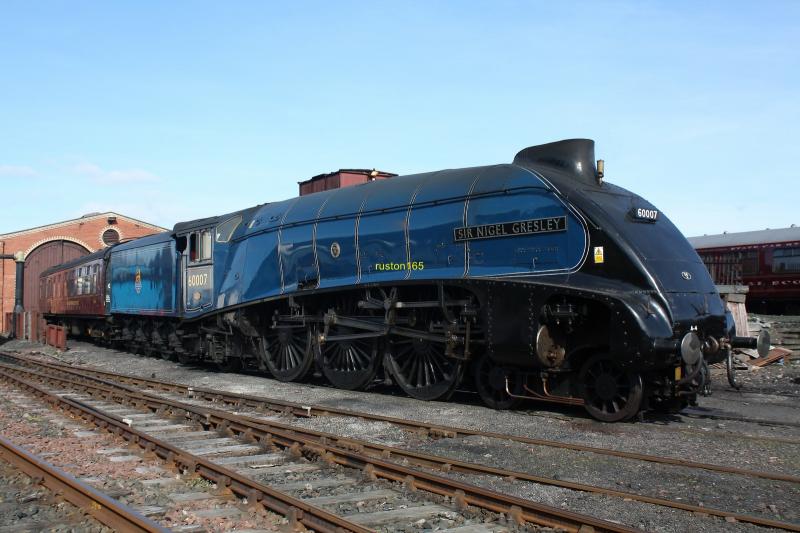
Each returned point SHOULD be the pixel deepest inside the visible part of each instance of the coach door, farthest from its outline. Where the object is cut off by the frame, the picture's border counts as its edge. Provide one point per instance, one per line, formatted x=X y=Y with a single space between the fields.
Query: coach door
x=197 y=270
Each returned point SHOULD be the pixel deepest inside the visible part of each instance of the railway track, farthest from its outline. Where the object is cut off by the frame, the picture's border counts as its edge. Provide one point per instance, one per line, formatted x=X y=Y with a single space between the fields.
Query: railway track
x=104 y=509
x=462 y=495
x=711 y=415
x=245 y=401
x=291 y=436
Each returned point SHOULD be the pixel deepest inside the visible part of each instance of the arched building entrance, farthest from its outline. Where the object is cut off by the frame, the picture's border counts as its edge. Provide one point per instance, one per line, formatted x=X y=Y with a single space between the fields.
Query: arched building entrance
x=41 y=258
x=52 y=244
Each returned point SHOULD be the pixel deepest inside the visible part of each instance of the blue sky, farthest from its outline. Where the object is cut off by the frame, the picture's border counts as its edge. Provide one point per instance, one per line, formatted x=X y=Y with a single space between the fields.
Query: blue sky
x=169 y=111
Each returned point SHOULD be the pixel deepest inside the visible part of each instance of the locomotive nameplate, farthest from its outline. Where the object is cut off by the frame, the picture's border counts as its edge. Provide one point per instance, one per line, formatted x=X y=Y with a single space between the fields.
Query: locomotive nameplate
x=511 y=229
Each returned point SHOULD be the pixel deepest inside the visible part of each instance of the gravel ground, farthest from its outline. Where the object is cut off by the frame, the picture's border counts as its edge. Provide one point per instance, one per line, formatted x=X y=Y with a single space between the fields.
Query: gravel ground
x=643 y=516
x=84 y=457
x=26 y=507
x=771 y=447
x=696 y=487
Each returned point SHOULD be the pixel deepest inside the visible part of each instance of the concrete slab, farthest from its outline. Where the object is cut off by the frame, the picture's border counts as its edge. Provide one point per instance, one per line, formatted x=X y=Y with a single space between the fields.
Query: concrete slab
x=150 y=510
x=383 y=494
x=160 y=482
x=479 y=528
x=178 y=434
x=224 y=512
x=191 y=496
x=124 y=458
x=272 y=458
x=205 y=443
x=314 y=484
x=149 y=469
x=273 y=470
x=219 y=450
x=160 y=428
x=380 y=518
x=113 y=451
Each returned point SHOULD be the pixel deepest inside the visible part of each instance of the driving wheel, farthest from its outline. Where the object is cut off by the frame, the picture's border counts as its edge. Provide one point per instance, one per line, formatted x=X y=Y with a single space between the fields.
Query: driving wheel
x=350 y=364
x=288 y=354
x=421 y=368
x=611 y=393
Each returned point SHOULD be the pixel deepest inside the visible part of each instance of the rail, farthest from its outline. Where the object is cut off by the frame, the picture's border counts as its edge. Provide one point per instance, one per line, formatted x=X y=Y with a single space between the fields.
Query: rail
x=253 y=429
x=104 y=509
x=371 y=458
x=435 y=430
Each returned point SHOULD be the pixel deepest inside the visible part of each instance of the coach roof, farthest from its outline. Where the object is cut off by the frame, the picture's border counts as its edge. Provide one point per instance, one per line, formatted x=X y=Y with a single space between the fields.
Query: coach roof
x=745 y=238
x=76 y=262
x=164 y=236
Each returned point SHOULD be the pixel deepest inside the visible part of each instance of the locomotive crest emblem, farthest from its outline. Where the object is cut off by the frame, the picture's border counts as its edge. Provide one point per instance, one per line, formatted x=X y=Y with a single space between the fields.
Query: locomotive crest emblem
x=137 y=281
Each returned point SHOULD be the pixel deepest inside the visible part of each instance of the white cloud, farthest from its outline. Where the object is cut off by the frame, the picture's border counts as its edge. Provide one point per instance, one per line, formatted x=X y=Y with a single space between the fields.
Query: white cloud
x=100 y=175
x=16 y=171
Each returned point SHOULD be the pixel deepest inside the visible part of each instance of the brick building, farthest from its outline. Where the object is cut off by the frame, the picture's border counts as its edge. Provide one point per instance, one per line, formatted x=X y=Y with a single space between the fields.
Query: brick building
x=52 y=244
x=345 y=177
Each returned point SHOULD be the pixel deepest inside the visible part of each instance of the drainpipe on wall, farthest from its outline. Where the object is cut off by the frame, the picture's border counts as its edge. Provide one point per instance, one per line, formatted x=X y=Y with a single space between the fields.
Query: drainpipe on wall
x=2 y=283
x=19 y=257
x=3 y=257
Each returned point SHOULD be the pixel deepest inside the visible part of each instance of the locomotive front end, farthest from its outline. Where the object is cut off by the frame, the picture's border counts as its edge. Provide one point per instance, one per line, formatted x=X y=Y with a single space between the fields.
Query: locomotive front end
x=701 y=329
x=666 y=320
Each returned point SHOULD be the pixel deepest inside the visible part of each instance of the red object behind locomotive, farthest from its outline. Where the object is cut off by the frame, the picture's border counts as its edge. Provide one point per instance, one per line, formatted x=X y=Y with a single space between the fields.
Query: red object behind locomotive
x=766 y=261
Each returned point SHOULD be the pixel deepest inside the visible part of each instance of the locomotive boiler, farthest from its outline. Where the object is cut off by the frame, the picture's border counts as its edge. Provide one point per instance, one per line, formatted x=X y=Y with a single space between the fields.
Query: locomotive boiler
x=531 y=280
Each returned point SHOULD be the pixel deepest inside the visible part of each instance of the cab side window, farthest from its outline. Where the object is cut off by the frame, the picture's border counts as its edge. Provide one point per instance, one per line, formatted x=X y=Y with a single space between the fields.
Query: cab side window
x=200 y=246
x=226 y=229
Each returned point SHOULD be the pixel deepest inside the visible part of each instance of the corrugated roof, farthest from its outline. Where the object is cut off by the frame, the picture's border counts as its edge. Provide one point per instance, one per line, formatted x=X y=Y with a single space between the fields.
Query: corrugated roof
x=745 y=238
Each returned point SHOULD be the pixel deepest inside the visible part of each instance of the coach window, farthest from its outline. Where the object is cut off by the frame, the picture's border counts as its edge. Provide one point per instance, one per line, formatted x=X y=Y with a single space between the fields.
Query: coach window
x=786 y=260
x=750 y=263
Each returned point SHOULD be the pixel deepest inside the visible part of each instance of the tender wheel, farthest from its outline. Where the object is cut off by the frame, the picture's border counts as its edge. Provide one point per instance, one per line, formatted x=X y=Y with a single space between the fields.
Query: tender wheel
x=288 y=352
x=422 y=369
x=610 y=392
x=350 y=364
x=490 y=380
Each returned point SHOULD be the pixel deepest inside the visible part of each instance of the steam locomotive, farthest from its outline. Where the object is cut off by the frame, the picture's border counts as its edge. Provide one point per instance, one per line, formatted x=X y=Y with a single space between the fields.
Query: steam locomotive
x=530 y=280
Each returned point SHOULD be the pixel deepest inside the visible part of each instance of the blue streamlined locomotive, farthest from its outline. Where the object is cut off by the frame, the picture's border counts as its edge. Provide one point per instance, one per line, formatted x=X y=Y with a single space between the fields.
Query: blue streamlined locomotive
x=536 y=278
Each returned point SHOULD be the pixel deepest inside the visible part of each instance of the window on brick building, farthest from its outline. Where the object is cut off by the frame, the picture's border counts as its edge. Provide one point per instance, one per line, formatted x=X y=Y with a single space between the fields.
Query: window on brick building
x=110 y=236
